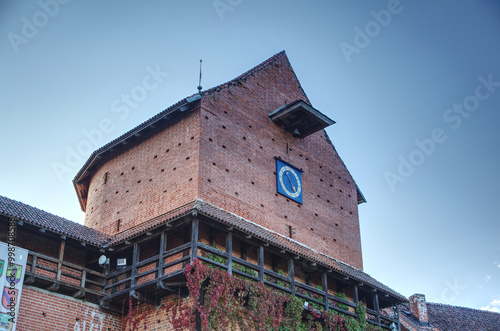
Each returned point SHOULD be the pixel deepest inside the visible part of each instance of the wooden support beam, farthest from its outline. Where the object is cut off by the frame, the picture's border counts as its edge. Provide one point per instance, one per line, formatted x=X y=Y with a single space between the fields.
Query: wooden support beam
x=229 y=251
x=161 y=258
x=29 y=280
x=84 y=278
x=33 y=264
x=79 y=294
x=54 y=287
x=291 y=275
x=261 y=263
x=133 y=294
x=195 y=226
x=324 y=285
x=376 y=308
x=397 y=315
x=61 y=258
x=355 y=294
x=135 y=261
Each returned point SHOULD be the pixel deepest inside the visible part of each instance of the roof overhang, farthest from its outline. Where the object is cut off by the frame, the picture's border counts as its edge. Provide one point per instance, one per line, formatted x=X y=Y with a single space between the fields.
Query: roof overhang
x=126 y=141
x=300 y=118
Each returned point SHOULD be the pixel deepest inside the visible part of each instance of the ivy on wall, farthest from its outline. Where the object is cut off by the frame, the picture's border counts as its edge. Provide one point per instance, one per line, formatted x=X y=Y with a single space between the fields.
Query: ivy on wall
x=223 y=302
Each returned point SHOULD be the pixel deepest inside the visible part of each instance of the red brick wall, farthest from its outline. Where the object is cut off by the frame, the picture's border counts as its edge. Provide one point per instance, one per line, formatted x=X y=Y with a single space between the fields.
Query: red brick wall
x=156 y=176
x=237 y=166
x=224 y=154
x=42 y=310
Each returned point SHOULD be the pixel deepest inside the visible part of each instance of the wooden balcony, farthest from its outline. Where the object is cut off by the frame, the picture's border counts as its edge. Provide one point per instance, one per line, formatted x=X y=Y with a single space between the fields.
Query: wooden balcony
x=156 y=262
x=64 y=277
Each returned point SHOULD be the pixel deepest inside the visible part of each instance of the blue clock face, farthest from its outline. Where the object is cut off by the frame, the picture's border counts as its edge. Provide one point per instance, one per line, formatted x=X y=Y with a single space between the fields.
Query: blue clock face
x=288 y=181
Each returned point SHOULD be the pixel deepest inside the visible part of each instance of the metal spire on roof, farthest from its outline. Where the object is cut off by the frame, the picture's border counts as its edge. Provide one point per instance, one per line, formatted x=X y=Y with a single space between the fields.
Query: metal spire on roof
x=199 y=83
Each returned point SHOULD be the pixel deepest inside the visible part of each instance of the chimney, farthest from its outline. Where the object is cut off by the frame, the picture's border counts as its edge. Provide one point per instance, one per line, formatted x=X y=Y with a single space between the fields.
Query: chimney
x=418 y=307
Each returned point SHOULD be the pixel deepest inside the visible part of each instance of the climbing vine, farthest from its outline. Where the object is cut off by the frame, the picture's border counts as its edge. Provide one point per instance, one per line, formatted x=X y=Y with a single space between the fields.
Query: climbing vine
x=223 y=302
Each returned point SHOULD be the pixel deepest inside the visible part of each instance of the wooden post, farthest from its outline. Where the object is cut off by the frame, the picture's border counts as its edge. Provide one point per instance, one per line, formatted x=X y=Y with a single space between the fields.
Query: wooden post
x=195 y=225
x=261 y=263
x=84 y=278
x=324 y=285
x=161 y=259
x=135 y=261
x=291 y=275
x=61 y=258
x=229 y=251
x=397 y=315
x=376 y=307
x=355 y=294
x=105 y=282
x=33 y=264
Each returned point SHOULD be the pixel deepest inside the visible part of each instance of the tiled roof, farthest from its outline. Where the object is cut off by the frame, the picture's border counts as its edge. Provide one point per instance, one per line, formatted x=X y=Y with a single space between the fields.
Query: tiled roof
x=293 y=246
x=454 y=318
x=48 y=221
x=153 y=223
x=262 y=233
x=60 y=225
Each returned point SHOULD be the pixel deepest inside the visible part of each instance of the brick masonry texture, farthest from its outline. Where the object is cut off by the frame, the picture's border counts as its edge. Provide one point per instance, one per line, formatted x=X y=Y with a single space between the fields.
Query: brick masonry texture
x=41 y=310
x=223 y=153
x=238 y=145
x=158 y=175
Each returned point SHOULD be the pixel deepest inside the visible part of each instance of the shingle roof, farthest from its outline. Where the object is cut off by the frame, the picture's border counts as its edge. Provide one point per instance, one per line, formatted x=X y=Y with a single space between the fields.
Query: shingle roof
x=48 y=221
x=454 y=318
x=60 y=225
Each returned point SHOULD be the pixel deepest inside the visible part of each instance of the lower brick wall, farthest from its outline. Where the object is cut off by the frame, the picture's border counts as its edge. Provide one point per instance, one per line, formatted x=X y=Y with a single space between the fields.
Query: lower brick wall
x=41 y=310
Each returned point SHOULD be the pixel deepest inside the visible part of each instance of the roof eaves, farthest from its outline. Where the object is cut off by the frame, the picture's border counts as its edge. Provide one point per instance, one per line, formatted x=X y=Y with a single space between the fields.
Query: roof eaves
x=37 y=217
x=181 y=106
x=299 y=249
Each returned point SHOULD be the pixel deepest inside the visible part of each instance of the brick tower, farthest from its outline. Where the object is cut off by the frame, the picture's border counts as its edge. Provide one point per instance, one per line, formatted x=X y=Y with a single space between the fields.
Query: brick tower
x=220 y=147
x=239 y=183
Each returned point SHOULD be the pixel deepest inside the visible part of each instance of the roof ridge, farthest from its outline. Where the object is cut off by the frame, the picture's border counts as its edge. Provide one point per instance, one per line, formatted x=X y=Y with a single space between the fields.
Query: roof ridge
x=246 y=73
x=461 y=307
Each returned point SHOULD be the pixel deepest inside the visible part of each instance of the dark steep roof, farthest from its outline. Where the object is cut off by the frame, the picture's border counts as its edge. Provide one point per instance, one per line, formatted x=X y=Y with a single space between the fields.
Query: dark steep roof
x=454 y=318
x=40 y=218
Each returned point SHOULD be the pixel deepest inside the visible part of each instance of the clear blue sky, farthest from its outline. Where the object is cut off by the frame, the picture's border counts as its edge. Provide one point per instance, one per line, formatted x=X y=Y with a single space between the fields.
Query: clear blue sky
x=413 y=85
